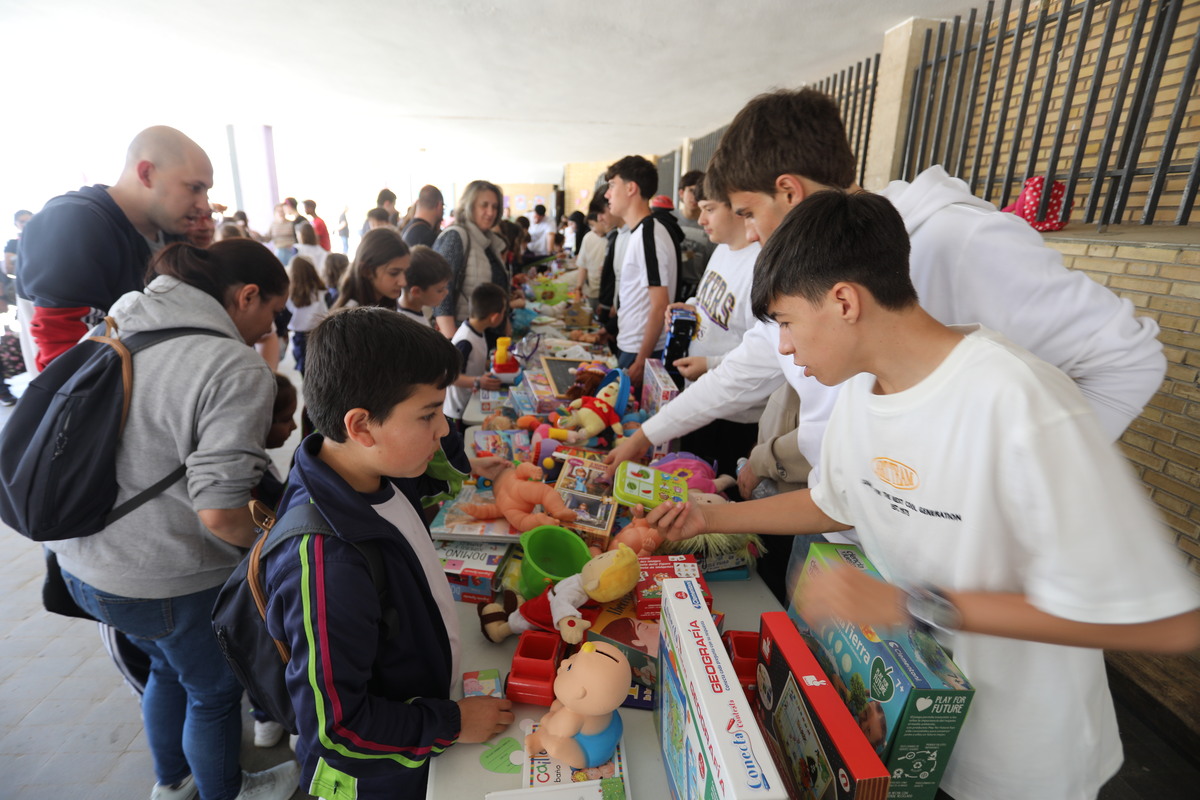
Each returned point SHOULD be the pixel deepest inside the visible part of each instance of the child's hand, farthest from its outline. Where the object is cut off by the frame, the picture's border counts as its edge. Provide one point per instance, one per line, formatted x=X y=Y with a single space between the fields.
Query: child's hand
x=678 y=521
x=848 y=594
x=671 y=307
x=483 y=718
x=489 y=466
x=490 y=382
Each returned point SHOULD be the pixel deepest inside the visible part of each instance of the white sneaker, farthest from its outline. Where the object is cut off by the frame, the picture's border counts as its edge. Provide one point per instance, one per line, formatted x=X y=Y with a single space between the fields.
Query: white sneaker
x=276 y=783
x=184 y=790
x=267 y=734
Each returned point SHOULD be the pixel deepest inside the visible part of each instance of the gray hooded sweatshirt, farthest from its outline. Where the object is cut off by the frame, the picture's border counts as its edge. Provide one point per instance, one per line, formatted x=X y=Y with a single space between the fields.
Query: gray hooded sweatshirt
x=203 y=401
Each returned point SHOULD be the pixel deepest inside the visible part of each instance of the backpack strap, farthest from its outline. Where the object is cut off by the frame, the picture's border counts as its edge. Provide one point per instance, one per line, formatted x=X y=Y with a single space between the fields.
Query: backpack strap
x=125 y=349
x=298 y=521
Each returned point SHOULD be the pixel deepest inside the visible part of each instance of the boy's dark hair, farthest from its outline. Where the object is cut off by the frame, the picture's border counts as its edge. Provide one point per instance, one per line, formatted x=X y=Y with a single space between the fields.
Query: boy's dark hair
x=523 y=222
x=385 y=196
x=693 y=178
x=291 y=203
x=540 y=210
x=698 y=191
x=831 y=237
x=379 y=214
x=310 y=206
x=635 y=169
x=597 y=206
x=285 y=392
x=426 y=268
x=488 y=299
x=783 y=133
x=371 y=358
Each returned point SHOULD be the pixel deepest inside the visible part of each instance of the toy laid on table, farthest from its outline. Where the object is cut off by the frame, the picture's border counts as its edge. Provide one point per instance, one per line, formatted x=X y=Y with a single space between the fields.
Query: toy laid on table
x=518 y=490
x=590 y=416
x=504 y=365
x=582 y=727
x=635 y=484
x=603 y=579
x=698 y=474
x=588 y=377
x=640 y=536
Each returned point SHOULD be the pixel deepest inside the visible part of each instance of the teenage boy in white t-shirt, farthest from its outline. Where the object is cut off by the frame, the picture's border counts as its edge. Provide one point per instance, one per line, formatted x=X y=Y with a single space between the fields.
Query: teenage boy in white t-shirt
x=986 y=491
x=650 y=267
x=722 y=309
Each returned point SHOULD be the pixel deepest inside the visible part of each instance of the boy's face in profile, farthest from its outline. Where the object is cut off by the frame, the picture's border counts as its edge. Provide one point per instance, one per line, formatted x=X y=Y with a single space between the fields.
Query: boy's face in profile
x=408 y=439
x=762 y=213
x=815 y=336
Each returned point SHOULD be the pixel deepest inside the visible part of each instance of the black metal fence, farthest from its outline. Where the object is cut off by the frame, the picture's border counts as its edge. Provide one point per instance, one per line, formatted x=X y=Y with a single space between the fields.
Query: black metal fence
x=702 y=149
x=1094 y=93
x=854 y=91
x=668 y=174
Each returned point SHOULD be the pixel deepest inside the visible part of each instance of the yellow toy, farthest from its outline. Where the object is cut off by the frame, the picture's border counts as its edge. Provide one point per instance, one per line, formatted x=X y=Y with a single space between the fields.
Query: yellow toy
x=604 y=578
x=590 y=416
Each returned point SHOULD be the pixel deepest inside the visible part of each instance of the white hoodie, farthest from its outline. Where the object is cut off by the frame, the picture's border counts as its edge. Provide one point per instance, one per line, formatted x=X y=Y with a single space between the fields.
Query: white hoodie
x=969 y=263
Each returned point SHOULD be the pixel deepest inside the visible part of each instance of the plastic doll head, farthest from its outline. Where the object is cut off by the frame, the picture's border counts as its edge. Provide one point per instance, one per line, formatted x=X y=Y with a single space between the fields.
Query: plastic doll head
x=611 y=575
x=595 y=680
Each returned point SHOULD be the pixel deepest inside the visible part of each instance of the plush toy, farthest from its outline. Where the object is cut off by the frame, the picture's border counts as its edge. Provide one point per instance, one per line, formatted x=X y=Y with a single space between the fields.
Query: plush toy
x=587 y=380
x=639 y=536
x=582 y=727
x=590 y=416
x=518 y=491
x=503 y=420
x=697 y=473
x=604 y=578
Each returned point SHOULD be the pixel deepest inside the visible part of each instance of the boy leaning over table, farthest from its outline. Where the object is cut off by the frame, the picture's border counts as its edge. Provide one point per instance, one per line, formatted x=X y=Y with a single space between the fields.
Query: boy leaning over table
x=983 y=488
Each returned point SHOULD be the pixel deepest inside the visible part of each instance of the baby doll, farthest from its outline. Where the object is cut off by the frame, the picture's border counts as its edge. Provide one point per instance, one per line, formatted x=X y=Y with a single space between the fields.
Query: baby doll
x=518 y=491
x=582 y=727
x=639 y=536
x=605 y=578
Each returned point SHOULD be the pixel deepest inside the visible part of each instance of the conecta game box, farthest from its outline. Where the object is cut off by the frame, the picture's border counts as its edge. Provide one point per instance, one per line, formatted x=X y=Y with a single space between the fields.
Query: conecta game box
x=908 y=696
x=712 y=746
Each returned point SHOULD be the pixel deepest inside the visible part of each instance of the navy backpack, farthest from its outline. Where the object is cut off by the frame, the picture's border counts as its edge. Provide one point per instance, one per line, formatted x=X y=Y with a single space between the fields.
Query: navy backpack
x=58 y=453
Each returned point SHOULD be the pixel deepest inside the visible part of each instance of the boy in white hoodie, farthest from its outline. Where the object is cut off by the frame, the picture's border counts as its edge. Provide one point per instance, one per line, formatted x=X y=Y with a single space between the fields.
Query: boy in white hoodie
x=969 y=263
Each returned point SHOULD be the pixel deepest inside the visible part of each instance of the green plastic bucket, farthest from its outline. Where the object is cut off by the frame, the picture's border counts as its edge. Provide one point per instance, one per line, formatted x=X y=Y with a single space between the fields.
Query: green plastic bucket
x=551 y=554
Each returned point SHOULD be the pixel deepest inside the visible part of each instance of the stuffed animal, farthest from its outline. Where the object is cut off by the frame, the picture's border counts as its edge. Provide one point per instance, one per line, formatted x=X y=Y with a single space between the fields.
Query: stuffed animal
x=582 y=727
x=590 y=416
x=518 y=490
x=604 y=578
x=587 y=380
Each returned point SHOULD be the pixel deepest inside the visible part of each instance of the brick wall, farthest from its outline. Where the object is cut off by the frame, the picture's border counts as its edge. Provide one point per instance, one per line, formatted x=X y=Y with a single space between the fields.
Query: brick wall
x=1163 y=282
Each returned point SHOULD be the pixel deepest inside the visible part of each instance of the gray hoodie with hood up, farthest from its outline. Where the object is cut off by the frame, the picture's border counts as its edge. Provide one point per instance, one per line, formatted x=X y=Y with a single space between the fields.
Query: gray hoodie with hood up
x=203 y=401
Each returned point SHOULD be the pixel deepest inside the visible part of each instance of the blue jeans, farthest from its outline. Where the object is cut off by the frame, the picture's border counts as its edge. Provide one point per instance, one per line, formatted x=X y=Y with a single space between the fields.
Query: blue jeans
x=625 y=360
x=192 y=704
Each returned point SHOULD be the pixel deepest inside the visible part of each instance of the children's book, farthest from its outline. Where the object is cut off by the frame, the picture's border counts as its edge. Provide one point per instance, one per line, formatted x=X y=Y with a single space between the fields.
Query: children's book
x=541 y=771
x=455 y=524
x=586 y=491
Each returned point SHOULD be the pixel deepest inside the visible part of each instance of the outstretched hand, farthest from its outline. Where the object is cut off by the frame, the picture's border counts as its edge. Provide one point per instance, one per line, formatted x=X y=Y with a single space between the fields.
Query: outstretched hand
x=631 y=448
x=483 y=717
x=678 y=521
x=846 y=593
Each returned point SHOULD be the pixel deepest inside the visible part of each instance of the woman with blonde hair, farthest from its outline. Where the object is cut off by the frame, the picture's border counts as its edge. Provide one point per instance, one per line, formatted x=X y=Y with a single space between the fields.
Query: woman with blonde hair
x=475 y=253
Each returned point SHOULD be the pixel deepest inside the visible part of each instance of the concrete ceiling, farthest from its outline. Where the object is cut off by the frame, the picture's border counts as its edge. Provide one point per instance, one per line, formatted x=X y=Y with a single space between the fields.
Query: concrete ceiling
x=507 y=90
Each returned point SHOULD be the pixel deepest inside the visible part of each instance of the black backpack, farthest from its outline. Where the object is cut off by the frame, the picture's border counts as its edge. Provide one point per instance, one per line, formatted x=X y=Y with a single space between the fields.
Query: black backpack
x=239 y=616
x=57 y=456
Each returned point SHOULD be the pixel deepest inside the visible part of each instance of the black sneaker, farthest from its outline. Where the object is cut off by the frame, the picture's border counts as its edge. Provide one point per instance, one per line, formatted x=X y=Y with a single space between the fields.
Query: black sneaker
x=6 y=397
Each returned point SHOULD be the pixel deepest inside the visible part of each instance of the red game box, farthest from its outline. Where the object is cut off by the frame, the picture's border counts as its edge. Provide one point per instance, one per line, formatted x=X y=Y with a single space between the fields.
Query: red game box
x=816 y=743
x=647 y=595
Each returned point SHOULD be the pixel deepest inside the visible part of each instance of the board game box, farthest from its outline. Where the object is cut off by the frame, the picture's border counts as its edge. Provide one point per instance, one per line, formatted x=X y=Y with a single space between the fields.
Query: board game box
x=819 y=748
x=658 y=389
x=648 y=594
x=619 y=625
x=907 y=695
x=510 y=445
x=712 y=746
x=471 y=567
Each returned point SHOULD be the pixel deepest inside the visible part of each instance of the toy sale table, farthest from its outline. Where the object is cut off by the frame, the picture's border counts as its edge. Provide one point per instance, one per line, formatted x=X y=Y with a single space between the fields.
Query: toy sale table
x=460 y=771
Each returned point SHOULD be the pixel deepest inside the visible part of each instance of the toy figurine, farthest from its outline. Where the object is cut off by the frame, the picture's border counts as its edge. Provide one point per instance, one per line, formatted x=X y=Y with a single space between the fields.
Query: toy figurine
x=582 y=727
x=587 y=380
x=604 y=578
x=593 y=415
x=518 y=490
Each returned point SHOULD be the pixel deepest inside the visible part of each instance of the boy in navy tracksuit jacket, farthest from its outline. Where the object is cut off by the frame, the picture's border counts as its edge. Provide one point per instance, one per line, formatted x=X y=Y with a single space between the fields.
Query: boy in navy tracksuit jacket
x=371 y=688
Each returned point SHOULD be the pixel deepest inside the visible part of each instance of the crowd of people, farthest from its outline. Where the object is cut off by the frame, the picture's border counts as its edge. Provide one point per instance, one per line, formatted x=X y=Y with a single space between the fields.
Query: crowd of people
x=836 y=328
